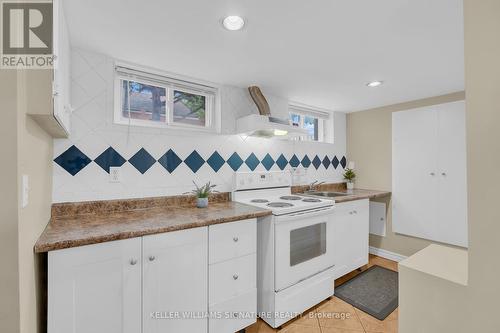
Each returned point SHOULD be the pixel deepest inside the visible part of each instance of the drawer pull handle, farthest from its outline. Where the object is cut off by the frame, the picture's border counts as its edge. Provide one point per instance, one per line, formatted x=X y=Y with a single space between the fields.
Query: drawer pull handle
x=152 y=258
x=133 y=262
x=235 y=276
x=235 y=239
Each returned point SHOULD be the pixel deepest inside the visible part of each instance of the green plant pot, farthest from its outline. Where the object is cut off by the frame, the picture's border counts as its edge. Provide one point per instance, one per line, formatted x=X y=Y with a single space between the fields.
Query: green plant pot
x=202 y=202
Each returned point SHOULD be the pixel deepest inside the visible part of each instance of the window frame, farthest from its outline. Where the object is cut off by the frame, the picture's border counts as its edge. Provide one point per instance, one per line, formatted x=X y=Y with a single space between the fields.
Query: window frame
x=302 y=115
x=170 y=82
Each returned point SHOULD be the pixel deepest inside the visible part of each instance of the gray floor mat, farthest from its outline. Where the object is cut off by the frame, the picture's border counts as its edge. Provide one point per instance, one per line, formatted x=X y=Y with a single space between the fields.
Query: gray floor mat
x=374 y=291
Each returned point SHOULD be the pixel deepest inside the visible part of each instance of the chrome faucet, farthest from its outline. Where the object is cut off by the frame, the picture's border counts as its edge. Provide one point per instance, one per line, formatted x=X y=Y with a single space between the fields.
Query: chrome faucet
x=314 y=185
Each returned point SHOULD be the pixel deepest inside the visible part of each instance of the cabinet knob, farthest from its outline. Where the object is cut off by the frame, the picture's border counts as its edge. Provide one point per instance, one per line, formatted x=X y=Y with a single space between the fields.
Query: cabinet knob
x=235 y=276
x=355 y=212
x=432 y=174
x=443 y=173
x=235 y=239
x=350 y=213
x=133 y=262
x=151 y=258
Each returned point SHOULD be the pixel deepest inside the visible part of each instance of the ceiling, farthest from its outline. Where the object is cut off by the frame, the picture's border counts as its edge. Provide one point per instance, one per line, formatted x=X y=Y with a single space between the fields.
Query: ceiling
x=315 y=52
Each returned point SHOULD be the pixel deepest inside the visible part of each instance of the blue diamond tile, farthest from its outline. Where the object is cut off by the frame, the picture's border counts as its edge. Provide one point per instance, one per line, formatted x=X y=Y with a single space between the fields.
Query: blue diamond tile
x=267 y=162
x=316 y=162
x=215 y=161
x=294 y=161
x=194 y=161
x=72 y=160
x=343 y=162
x=170 y=161
x=235 y=161
x=109 y=158
x=142 y=160
x=335 y=162
x=281 y=162
x=326 y=162
x=306 y=162
x=252 y=161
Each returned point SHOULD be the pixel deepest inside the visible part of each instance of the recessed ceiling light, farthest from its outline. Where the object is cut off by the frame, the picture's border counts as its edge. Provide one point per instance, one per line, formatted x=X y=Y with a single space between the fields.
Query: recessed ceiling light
x=374 y=84
x=233 y=22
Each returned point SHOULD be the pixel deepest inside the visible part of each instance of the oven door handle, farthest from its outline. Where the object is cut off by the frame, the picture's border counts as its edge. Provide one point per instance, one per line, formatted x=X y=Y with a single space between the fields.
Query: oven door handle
x=305 y=213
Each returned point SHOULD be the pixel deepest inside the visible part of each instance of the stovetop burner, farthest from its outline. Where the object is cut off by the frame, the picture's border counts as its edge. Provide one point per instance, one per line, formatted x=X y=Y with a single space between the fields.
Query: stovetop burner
x=311 y=200
x=259 y=200
x=290 y=197
x=279 y=204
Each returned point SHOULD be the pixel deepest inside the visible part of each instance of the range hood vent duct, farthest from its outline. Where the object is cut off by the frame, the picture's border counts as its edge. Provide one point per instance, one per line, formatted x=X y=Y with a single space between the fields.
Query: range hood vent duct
x=263 y=124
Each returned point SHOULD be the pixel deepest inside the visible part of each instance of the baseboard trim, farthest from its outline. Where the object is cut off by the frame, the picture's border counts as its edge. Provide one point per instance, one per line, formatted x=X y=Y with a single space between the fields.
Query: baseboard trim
x=386 y=254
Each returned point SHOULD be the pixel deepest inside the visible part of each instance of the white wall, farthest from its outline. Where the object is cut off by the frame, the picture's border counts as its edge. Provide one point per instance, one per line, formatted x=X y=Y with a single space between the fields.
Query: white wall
x=93 y=131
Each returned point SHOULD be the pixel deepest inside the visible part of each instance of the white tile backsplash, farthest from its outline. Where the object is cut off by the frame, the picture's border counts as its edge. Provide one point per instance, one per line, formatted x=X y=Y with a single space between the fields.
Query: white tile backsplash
x=93 y=131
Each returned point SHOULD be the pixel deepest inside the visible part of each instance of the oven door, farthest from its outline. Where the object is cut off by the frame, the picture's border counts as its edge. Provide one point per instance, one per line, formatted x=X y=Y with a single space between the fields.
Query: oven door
x=303 y=246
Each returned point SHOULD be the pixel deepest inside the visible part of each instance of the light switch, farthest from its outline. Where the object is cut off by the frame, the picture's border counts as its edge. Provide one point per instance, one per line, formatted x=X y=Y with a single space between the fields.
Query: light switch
x=25 y=190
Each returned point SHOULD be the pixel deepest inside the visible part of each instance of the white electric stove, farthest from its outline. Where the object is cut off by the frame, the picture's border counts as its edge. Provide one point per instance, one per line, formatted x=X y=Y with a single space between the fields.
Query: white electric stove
x=295 y=257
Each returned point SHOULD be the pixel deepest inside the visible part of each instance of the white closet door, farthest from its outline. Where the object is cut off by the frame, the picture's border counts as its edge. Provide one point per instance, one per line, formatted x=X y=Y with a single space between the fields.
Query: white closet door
x=414 y=172
x=452 y=209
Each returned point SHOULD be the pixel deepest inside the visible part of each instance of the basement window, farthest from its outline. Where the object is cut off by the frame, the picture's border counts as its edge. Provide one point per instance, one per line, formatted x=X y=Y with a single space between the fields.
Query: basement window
x=156 y=100
x=312 y=120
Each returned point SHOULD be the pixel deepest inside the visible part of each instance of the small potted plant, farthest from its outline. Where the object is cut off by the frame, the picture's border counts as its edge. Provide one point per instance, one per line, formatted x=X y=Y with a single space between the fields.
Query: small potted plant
x=202 y=193
x=349 y=175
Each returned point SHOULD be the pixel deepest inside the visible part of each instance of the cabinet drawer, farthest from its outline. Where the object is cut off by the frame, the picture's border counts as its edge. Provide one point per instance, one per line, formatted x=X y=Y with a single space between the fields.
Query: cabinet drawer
x=230 y=278
x=234 y=314
x=232 y=240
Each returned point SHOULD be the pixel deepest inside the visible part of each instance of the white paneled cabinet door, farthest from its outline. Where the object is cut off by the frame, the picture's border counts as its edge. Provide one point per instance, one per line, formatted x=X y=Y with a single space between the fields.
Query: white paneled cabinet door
x=95 y=288
x=175 y=286
x=414 y=172
x=452 y=175
x=351 y=223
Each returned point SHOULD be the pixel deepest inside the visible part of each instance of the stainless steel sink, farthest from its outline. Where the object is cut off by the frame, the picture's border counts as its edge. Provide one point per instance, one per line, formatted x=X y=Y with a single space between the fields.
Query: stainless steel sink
x=326 y=194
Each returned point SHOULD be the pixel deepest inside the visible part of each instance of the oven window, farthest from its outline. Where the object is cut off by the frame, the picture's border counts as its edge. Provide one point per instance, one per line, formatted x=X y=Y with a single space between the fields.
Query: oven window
x=307 y=243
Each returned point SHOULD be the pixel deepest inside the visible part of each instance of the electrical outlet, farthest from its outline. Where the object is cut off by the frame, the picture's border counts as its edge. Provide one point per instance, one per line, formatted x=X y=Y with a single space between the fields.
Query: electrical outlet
x=115 y=175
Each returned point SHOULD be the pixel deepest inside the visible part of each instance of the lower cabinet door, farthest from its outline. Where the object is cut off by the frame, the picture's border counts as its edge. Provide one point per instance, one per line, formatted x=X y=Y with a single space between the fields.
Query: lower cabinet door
x=351 y=236
x=175 y=288
x=95 y=288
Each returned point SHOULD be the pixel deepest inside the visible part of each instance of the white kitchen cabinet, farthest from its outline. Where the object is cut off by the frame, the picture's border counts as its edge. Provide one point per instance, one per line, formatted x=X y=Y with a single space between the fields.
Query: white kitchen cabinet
x=232 y=293
x=95 y=288
x=46 y=92
x=351 y=222
x=429 y=198
x=61 y=79
x=175 y=270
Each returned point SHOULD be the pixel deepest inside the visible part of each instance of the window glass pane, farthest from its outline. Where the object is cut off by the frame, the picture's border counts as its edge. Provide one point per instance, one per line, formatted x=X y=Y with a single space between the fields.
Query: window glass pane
x=307 y=243
x=311 y=125
x=295 y=118
x=146 y=102
x=189 y=108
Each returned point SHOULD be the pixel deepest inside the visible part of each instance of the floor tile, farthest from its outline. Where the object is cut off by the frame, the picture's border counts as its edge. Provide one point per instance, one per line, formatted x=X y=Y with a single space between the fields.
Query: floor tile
x=338 y=314
x=373 y=325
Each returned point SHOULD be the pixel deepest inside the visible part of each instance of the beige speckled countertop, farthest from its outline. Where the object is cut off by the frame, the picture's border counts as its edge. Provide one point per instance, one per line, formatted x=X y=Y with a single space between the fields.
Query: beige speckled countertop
x=75 y=230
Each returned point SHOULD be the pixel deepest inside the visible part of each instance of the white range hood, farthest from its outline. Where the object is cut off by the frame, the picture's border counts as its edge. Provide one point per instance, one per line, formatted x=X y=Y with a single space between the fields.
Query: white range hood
x=267 y=127
x=263 y=124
